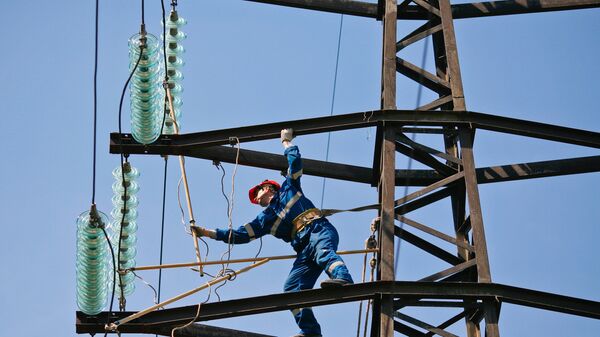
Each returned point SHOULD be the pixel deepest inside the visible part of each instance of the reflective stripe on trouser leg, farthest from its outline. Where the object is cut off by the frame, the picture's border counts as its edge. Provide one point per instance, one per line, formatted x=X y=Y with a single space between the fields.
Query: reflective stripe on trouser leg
x=326 y=244
x=338 y=270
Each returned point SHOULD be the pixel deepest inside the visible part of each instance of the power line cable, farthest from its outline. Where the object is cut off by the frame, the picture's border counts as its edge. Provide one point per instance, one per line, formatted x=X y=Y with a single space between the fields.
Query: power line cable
x=337 y=60
x=95 y=103
x=162 y=227
x=122 y=157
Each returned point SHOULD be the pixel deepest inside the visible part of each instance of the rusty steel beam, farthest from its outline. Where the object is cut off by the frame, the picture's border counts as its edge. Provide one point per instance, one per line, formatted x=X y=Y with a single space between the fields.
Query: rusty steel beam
x=346 y=7
x=387 y=170
x=425 y=158
x=485 y=175
x=497 y=8
x=459 y=11
x=539 y=169
x=316 y=297
x=422 y=76
x=423 y=325
x=167 y=144
x=201 y=330
x=509 y=7
x=427 y=246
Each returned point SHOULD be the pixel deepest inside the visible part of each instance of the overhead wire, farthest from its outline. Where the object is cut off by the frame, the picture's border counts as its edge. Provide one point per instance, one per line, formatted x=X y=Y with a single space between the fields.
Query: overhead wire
x=337 y=61
x=123 y=160
x=95 y=103
x=164 y=194
x=162 y=227
x=164 y=35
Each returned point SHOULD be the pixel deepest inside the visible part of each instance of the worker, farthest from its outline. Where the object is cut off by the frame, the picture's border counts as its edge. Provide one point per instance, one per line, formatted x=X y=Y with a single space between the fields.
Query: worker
x=290 y=216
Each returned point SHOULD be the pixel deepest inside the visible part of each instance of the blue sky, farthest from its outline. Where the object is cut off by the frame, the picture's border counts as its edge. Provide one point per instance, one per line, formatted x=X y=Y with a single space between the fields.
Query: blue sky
x=249 y=63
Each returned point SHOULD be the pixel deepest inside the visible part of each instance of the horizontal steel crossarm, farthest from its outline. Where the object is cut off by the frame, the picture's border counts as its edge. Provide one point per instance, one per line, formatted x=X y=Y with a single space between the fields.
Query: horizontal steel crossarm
x=361 y=174
x=201 y=330
x=497 y=8
x=509 y=7
x=346 y=7
x=167 y=144
x=459 y=11
x=316 y=297
x=541 y=169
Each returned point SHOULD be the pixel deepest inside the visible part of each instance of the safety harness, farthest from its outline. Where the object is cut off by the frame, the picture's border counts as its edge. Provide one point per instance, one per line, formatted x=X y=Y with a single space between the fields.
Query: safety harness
x=308 y=216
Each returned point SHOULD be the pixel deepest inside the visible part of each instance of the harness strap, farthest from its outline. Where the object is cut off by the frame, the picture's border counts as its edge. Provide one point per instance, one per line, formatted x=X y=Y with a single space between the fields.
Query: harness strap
x=328 y=212
x=307 y=217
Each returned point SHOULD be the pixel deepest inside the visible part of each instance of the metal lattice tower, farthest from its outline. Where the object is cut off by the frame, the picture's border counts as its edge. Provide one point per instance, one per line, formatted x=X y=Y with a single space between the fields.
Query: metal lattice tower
x=467 y=283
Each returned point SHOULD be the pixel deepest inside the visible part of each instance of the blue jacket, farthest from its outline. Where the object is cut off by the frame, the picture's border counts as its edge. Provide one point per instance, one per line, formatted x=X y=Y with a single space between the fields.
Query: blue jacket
x=276 y=218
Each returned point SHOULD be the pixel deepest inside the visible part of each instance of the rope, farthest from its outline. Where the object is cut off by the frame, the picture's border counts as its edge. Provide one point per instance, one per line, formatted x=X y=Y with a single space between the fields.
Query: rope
x=188 y=324
x=337 y=60
x=332 y=211
x=364 y=271
x=230 y=203
x=155 y=299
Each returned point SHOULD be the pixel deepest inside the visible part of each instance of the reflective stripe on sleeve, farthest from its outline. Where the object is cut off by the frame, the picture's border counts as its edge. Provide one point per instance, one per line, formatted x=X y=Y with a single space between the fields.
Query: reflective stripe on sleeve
x=296 y=311
x=250 y=231
x=284 y=212
x=297 y=175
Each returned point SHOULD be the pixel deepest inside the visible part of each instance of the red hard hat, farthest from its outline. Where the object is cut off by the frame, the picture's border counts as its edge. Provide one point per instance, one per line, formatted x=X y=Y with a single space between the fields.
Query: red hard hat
x=252 y=192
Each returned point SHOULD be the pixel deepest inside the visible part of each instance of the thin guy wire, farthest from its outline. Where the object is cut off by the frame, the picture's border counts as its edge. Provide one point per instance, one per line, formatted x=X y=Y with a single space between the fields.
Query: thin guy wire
x=337 y=60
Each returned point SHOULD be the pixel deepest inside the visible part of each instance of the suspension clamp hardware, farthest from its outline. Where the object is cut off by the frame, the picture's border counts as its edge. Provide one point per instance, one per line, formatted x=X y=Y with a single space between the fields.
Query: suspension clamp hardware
x=373 y=262
x=371 y=242
x=233 y=141
x=375 y=224
x=122 y=303
x=95 y=220
x=111 y=327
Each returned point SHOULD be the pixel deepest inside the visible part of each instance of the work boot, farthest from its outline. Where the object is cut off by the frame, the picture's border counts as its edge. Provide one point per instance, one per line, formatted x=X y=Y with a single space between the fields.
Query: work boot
x=307 y=335
x=335 y=282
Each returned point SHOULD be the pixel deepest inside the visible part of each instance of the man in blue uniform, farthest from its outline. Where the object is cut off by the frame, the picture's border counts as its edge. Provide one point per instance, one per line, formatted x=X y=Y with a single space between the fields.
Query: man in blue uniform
x=290 y=216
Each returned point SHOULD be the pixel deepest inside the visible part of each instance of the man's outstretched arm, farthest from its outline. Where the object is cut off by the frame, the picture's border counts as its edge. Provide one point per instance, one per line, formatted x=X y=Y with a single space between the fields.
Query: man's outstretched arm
x=292 y=154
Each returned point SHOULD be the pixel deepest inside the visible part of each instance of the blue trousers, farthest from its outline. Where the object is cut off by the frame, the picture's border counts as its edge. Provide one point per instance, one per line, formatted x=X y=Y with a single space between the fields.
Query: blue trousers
x=319 y=254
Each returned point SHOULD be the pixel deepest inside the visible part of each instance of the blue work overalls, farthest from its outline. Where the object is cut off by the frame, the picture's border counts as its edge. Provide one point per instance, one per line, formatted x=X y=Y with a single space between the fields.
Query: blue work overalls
x=315 y=244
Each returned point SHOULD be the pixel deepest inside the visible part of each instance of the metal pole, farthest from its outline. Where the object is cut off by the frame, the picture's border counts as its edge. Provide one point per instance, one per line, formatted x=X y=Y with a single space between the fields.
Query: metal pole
x=387 y=170
x=185 y=183
x=270 y=258
x=114 y=326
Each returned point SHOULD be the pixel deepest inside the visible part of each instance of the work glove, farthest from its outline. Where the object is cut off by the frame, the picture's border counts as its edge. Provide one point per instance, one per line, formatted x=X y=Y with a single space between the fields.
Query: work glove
x=203 y=232
x=287 y=135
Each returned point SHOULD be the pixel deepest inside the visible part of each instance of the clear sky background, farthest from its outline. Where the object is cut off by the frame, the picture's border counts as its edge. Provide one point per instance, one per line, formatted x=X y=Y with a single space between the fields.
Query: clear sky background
x=249 y=63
